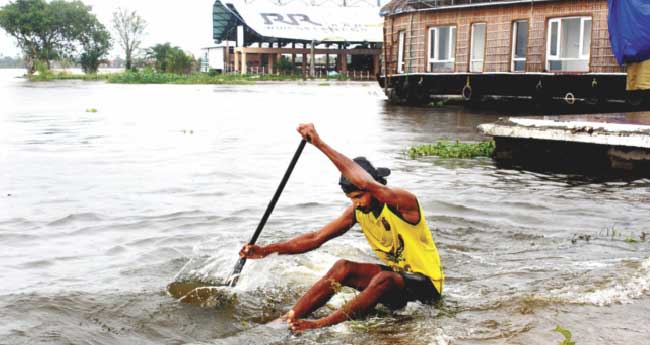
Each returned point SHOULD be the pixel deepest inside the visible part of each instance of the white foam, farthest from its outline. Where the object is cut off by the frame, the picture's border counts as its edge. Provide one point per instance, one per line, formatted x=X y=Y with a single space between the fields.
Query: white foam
x=621 y=292
x=342 y=328
x=440 y=338
x=340 y=299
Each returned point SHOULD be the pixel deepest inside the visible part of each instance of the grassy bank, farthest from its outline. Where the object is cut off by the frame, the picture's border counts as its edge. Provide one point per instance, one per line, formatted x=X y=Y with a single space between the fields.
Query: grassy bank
x=456 y=149
x=50 y=76
x=150 y=77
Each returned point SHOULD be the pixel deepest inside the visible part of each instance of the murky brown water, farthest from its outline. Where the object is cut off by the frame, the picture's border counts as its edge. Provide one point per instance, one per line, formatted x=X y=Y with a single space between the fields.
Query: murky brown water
x=99 y=211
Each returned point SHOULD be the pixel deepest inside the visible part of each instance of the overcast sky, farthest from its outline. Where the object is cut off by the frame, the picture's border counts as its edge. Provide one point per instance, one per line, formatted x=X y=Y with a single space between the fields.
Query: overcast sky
x=187 y=23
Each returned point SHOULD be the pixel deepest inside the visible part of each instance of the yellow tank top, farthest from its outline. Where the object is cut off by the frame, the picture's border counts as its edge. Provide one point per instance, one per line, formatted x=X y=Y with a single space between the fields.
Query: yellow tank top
x=401 y=245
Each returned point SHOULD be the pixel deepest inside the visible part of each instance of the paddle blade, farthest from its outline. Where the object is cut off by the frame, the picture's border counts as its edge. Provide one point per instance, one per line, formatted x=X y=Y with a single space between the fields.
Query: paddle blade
x=202 y=294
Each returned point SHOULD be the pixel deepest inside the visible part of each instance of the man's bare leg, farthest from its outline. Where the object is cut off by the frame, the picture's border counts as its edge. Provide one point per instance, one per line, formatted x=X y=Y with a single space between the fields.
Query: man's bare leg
x=347 y=273
x=381 y=284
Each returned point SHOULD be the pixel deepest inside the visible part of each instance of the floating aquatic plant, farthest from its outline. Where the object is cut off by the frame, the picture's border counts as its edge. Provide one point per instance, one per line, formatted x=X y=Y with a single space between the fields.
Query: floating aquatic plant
x=456 y=149
x=567 y=336
x=615 y=234
x=437 y=104
x=583 y=237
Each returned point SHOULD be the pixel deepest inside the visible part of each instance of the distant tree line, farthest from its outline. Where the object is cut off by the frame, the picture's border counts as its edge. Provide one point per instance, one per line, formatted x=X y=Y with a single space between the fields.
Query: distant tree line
x=68 y=33
x=170 y=59
x=47 y=31
x=11 y=62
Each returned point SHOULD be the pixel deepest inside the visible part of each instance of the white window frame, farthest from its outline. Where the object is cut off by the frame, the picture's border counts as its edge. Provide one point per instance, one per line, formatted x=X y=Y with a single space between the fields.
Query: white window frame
x=582 y=55
x=452 y=54
x=473 y=59
x=401 y=41
x=514 y=45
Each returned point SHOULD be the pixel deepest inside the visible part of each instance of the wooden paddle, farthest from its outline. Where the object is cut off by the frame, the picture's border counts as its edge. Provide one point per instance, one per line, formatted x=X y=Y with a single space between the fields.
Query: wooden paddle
x=234 y=276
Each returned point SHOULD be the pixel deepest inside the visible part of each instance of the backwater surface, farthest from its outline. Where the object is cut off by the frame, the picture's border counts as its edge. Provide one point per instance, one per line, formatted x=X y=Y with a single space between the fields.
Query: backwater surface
x=100 y=211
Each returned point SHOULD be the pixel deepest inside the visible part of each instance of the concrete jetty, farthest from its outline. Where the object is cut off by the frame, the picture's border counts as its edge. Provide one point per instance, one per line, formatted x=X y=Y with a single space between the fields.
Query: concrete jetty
x=587 y=143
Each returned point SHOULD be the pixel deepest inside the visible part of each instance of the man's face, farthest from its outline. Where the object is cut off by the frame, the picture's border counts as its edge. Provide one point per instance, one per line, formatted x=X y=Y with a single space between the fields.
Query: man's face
x=361 y=200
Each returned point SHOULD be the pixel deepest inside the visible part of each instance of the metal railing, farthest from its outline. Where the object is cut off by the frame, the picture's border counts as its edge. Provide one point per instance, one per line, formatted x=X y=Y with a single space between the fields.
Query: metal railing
x=360 y=75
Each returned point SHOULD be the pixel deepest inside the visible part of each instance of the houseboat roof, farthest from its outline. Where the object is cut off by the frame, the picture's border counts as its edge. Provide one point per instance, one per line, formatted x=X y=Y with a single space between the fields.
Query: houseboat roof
x=405 y=6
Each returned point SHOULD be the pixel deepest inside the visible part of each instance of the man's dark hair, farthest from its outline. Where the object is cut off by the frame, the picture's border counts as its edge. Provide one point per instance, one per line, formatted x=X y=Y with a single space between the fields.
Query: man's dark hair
x=379 y=174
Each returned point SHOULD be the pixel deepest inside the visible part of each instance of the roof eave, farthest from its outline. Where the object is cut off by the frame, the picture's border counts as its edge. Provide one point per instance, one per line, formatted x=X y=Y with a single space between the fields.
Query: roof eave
x=461 y=6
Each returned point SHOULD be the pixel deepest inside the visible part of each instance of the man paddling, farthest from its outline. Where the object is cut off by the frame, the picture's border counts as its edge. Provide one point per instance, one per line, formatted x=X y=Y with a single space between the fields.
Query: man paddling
x=394 y=225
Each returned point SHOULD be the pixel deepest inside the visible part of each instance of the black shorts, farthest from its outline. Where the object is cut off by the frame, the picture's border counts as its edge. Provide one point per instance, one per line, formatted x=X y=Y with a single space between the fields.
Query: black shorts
x=418 y=288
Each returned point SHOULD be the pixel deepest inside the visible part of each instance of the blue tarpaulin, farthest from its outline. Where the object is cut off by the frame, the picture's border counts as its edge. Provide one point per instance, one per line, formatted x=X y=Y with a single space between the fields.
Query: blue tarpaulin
x=629 y=29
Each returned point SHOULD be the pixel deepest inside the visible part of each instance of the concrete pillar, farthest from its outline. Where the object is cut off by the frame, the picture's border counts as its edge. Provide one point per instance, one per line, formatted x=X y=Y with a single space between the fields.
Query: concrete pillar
x=344 y=62
x=304 y=64
x=279 y=58
x=375 y=64
x=327 y=62
x=244 y=67
x=226 y=57
x=237 y=69
x=312 y=61
x=271 y=62
x=293 y=58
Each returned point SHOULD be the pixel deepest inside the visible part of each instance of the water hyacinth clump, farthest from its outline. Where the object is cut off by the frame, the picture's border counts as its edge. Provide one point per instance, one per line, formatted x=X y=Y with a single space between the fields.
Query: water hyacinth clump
x=444 y=149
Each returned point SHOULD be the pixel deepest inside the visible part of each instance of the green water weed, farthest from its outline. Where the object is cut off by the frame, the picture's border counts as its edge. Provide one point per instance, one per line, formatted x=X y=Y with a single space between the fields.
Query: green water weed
x=613 y=233
x=437 y=104
x=336 y=286
x=580 y=237
x=567 y=336
x=445 y=149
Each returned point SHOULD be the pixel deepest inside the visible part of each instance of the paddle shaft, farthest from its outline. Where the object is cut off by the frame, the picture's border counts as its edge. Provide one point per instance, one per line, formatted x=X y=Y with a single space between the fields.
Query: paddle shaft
x=234 y=277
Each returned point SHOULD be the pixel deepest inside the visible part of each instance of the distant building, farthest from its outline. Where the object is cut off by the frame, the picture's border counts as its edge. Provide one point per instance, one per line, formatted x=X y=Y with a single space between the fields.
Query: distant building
x=213 y=58
x=290 y=36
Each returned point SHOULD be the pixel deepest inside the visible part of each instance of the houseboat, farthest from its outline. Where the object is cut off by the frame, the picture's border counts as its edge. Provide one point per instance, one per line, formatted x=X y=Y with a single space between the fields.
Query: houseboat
x=542 y=50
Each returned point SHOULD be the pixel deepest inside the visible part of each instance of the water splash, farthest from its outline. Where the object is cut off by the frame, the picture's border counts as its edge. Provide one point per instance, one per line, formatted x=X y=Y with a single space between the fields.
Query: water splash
x=623 y=291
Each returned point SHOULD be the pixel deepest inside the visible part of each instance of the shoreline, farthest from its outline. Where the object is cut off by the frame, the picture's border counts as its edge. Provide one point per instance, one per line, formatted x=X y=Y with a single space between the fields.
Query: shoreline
x=150 y=77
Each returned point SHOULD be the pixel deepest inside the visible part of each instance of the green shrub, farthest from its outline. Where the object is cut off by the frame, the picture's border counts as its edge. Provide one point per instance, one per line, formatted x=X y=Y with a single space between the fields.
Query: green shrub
x=285 y=66
x=43 y=73
x=150 y=77
x=171 y=59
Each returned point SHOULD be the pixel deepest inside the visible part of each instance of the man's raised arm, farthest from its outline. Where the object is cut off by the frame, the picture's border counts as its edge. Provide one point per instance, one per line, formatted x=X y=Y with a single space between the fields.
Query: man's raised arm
x=401 y=200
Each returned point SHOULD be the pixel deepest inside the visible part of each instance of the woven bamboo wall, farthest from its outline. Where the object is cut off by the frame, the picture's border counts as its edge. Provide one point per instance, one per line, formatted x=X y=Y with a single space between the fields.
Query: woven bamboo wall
x=498 y=46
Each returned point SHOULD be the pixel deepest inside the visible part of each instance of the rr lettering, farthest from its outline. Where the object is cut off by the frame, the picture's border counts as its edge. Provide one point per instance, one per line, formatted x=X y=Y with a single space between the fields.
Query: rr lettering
x=293 y=19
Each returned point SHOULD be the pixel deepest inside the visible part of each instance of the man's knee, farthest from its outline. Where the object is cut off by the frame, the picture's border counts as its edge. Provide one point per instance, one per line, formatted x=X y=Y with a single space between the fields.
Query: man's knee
x=340 y=270
x=386 y=280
